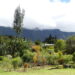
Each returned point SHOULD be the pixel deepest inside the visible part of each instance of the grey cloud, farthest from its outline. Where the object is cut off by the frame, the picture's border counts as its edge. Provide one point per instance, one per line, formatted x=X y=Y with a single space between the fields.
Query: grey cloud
x=31 y=24
x=66 y=26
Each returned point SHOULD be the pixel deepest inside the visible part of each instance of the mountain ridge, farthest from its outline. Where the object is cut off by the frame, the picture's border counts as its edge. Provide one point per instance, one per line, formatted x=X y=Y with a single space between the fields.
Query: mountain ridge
x=36 y=34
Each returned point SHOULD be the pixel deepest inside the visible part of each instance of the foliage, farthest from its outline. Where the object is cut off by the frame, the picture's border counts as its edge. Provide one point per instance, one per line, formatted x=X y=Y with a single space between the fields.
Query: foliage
x=1 y=58
x=60 y=45
x=27 y=56
x=35 y=59
x=36 y=48
x=3 y=45
x=18 y=20
x=15 y=48
x=73 y=65
x=6 y=64
x=50 y=39
x=50 y=51
x=8 y=46
x=73 y=57
x=65 y=59
x=53 y=59
x=37 y=42
x=70 y=45
x=39 y=59
x=16 y=62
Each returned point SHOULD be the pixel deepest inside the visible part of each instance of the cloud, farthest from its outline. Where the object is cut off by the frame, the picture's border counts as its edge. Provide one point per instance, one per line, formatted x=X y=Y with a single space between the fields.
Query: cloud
x=43 y=14
x=66 y=26
x=31 y=24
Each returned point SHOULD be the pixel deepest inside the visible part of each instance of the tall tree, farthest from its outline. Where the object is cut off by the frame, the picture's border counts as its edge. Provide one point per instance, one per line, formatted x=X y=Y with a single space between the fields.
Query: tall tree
x=70 y=45
x=18 y=20
x=51 y=39
x=17 y=26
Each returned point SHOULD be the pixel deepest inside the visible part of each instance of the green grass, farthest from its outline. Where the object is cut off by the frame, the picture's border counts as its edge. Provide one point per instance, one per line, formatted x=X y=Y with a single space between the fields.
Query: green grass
x=42 y=72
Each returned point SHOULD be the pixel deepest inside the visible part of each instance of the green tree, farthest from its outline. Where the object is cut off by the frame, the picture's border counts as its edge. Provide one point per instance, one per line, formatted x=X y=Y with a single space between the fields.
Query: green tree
x=16 y=47
x=74 y=56
x=51 y=39
x=18 y=20
x=70 y=45
x=3 y=45
x=27 y=56
x=60 y=45
x=17 y=26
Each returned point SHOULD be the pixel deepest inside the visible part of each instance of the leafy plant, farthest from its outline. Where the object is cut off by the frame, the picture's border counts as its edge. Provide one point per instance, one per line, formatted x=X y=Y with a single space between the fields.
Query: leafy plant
x=16 y=62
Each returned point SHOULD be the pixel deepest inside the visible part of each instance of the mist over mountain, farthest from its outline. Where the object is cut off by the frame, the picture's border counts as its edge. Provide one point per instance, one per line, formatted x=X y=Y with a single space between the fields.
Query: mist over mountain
x=36 y=34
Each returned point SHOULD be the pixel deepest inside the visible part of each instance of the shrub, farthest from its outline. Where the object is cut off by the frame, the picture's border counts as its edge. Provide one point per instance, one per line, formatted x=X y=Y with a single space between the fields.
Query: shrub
x=50 y=51
x=1 y=58
x=67 y=59
x=35 y=59
x=61 y=61
x=28 y=56
x=6 y=64
x=16 y=62
x=39 y=58
x=53 y=59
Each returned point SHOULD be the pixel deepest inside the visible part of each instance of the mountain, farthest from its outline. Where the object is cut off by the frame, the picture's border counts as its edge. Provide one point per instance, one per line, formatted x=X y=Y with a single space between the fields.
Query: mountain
x=36 y=34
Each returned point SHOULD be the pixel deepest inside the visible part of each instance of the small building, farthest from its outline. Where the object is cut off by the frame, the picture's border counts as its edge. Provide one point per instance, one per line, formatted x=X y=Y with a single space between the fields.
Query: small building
x=47 y=45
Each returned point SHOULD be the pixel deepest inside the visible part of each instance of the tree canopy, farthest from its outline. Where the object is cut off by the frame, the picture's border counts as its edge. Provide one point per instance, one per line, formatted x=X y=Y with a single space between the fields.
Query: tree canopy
x=18 y=20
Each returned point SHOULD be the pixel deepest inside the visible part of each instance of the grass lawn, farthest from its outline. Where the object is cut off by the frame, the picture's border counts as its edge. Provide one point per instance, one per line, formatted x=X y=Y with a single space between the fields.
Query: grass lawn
x=42 y=72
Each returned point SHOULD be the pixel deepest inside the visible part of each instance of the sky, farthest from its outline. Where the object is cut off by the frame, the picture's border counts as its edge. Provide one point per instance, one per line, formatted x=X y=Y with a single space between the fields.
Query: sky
x=42 y=14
